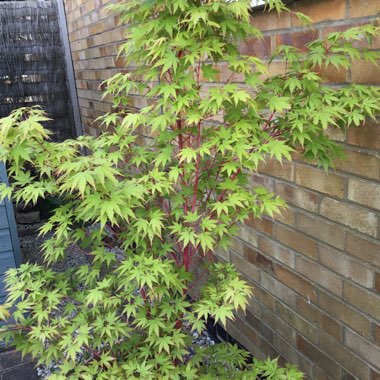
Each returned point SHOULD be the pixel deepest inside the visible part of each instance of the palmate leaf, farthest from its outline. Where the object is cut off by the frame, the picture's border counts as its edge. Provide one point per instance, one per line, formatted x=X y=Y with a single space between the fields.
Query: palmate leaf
x=165 y=186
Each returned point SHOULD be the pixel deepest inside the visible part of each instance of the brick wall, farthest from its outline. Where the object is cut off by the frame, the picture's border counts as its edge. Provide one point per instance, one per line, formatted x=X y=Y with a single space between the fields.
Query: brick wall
x=316 y=269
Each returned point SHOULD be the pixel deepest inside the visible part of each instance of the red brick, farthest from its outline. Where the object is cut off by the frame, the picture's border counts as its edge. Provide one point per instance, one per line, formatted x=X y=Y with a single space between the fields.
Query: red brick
x=363 y=248
x=296 y=39
x=295 y=282
x=297 y=241
x=318 y=357
x=362 y=8
x=367 y=136
x=364 y=192
x=318 y=180
x=321 y=229
x=298 y=197
x=257 y=47
x=352 y=216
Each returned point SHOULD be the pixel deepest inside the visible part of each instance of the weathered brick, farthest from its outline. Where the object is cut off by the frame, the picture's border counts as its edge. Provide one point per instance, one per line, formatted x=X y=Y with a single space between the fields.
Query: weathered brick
x=275 y=68
x=364 y=192
x=344 y=265
x=322 y=11
x=364 y=72
x=298 y=197
x=374 y=375
x=297 y=241
x=313 y=314
x=263 y=225
x=275 y=168
x=295 y=282
x=237 y=245
x=258 y=260
x=321 y=229
x=318 y=357
x=363 y=248
x=355 y=217
x=331 y=74
x=291 y=316
x=362 y=164
x=318 y=180
x=369 y=352
x=377 y=282
x=336 y=134
x=258 y=47
x=245 y=267
x=336 y=308
x=350 y=24
x=270 y=20
x=287 y=216
x=248 y=234
x=262 y=180
x=263 y=296
x=376 y=334
x=259 y=326
x=246 y=336
x=278 y=289
x=361 y=8
x=294 y=356
x=320 y=275
x=279 y=326
x=367 y=135
x=343 y=356
x=272 y=248
x=296 y=39
x=366 y=301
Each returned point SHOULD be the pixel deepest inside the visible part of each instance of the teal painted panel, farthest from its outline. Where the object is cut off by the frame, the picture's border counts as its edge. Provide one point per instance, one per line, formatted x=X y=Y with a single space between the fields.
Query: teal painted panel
x=9 y=243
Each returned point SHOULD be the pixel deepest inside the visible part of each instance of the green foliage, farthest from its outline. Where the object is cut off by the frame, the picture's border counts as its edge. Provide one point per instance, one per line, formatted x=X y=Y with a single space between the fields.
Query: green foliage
x=146 y=213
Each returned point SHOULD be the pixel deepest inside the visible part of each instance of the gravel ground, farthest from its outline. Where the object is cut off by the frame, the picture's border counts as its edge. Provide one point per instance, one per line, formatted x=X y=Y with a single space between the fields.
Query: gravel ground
x=30 y=246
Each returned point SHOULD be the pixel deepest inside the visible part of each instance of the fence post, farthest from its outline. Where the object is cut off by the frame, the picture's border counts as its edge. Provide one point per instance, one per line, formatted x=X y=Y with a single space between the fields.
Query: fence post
x=69 y=68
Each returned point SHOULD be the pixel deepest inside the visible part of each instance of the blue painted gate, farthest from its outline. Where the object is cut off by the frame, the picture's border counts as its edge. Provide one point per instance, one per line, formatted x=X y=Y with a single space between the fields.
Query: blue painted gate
x=9 y=245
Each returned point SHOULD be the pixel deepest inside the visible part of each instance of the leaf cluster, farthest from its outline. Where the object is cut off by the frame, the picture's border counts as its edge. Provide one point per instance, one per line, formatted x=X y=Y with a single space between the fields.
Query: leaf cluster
x=164 y=187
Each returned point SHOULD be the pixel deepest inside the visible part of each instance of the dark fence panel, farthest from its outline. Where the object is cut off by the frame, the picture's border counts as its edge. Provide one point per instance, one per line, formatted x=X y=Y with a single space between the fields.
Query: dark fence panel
x=32 y=63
